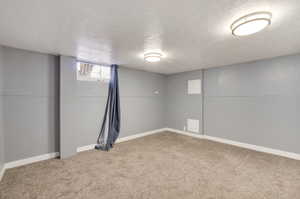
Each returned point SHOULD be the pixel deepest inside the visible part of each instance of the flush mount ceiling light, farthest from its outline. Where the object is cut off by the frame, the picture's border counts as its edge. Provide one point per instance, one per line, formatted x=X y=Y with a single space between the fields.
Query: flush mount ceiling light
x=153 y=56
x=251 y=23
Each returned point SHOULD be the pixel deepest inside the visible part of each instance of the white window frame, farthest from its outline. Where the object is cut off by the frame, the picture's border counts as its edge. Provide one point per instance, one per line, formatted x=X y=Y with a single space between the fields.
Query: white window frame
x=92 y=72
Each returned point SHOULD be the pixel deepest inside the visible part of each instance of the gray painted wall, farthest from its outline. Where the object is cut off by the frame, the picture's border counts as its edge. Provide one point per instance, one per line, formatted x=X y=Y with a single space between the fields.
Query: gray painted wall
x=82 y=105
x=256 y=103
x=179 y=105
x=29 y=92
x=2 y=159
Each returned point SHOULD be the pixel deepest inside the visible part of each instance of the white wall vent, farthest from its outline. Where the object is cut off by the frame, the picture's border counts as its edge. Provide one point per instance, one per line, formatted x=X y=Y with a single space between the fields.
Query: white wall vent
x=194 y=86
x=193 y=125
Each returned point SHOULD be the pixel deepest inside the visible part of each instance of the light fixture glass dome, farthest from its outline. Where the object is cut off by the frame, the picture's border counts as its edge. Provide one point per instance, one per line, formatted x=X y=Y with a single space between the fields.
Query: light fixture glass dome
x=251 y=23
x=153 y=56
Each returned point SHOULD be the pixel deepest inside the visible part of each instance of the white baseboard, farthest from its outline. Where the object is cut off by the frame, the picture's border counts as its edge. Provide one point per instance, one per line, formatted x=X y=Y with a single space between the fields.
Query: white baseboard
x=240 y=144
x=22 y=162
x=2 y=172
x=86 y=148
x=185 y=133
x=200 y=136
x=131 y=137
x=30 y=160
x=123 y=139
x=255 y=147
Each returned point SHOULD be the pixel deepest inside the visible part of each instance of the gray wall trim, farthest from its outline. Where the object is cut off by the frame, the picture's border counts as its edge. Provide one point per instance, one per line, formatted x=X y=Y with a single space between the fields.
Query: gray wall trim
x=203 y=101
x=2 y=147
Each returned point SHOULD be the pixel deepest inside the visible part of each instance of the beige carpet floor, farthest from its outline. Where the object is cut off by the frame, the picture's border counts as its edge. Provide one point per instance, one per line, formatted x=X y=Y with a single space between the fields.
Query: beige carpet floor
x=164 y=165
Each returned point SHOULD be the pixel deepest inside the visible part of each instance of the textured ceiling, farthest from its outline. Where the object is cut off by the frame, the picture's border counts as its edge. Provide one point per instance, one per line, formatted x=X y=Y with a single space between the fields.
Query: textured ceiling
x=193 y=34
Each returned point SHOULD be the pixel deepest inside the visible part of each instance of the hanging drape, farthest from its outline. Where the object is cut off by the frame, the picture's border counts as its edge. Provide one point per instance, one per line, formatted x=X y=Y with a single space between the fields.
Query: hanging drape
x=110 y=127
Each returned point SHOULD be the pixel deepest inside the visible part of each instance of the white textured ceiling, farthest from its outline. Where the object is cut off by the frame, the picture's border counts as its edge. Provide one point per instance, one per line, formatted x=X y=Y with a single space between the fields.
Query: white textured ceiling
x=194 y=34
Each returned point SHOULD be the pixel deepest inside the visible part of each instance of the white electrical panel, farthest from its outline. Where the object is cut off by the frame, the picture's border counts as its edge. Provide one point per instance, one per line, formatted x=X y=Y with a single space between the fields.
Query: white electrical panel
x=194 y=86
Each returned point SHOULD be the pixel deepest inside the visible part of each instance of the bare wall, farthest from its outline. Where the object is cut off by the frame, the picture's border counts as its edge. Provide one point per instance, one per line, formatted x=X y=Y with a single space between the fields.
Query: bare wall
x=179 y=105
x=82 y=105
x=29 y=93
x=256 y=103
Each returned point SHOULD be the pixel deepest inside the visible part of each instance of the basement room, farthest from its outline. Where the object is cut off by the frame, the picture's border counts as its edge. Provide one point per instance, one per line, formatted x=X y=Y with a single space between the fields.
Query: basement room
x=157 y=99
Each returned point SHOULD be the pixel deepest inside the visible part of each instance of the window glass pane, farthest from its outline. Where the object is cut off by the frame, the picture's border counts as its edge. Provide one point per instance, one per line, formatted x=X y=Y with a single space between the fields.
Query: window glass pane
x=105 y=73
x=96 y=69
x=92 y=72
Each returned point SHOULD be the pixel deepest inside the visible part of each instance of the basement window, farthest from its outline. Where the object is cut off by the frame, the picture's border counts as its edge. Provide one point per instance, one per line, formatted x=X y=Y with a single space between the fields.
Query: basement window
x=92 y=72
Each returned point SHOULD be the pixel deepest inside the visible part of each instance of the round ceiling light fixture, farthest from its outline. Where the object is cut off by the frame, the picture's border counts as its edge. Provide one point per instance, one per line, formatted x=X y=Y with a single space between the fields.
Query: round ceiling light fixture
x=251 y=23
x=153 y=56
